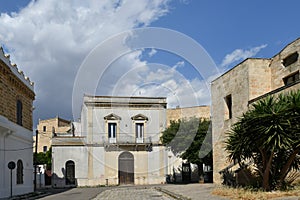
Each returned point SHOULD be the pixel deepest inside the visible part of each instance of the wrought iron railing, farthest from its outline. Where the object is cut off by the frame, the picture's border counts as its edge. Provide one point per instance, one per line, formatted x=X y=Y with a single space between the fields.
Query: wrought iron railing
x=126 y=140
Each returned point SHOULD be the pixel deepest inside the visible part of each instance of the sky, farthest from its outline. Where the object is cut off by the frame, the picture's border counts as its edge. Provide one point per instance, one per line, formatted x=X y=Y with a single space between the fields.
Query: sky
x=169 y=48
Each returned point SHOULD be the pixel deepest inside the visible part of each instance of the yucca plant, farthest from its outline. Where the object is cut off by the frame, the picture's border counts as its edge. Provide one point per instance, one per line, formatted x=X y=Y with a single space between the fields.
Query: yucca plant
x=269 y=134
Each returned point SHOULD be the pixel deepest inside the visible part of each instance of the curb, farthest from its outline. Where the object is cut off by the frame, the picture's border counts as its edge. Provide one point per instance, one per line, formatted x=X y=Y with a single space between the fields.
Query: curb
x=172 y=194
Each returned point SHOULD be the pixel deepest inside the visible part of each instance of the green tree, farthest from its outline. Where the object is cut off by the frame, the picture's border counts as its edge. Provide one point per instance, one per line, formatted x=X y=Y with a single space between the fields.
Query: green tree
x=44 y=158
x=269 y=135
x=185 y=139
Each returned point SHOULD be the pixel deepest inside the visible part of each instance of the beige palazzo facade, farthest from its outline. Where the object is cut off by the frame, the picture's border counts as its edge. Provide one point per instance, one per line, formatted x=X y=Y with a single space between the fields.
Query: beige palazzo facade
x=118 y=143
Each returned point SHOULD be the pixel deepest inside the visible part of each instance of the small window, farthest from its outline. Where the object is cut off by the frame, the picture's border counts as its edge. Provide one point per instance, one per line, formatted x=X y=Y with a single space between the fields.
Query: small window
x=290 y=59
x=20 y=172
x=44 y=149
x=44 y=128
x=228 y=101
x=19 y=112
x=292 y=78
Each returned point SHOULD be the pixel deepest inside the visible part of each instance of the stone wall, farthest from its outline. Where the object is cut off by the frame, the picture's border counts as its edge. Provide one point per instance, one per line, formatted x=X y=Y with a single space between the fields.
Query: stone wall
x=246 y=83
x=278 y=70
x=234 y=83
x=45 y=135
x=174 y=114
x=13 y=89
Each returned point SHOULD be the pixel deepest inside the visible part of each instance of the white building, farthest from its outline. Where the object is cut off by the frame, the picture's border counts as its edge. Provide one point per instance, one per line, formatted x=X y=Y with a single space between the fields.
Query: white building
x=119 y=144
x=16 y=97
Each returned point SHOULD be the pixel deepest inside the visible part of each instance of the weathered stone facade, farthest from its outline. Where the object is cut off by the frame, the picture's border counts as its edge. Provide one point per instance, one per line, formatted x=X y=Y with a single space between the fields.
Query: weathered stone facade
x=235 y=90
x=13 y=87
x=114 y=130
x=46 y=128
x=16 y=98
x=174 y=114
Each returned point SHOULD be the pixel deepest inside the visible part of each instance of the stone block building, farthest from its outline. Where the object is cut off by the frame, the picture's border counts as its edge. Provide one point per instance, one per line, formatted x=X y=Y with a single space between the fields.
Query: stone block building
x=119 y=144
x=48 y=128
x=16 y=98
x=249 y=81
x=174 y=114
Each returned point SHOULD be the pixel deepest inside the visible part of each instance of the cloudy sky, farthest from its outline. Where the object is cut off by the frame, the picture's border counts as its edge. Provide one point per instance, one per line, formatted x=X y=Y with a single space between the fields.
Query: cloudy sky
x=72 y=47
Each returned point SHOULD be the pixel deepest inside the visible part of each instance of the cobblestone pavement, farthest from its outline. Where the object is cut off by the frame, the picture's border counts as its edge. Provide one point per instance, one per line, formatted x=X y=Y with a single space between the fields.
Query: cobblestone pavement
x=132 y=193
x=194 y=191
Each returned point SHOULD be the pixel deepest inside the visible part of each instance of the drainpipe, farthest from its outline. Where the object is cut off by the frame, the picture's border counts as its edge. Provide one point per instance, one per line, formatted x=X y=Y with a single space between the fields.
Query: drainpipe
x=35 y=161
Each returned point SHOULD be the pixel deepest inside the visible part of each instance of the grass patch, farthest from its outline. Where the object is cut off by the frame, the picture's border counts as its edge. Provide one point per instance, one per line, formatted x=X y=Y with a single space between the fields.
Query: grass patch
x=250 y=194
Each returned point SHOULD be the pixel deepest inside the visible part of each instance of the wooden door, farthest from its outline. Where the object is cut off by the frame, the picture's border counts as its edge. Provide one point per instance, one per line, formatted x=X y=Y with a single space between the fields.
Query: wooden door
x=126 y=168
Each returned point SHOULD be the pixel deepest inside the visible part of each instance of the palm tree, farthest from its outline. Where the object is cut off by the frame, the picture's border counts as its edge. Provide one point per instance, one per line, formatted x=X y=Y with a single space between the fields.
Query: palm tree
x=268 y=134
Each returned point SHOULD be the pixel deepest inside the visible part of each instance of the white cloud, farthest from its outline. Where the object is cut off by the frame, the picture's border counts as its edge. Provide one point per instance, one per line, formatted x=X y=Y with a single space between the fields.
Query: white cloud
x=240 y=54
x=49 y=40
x=178 y=64
x=152 y=52
x=159 y=80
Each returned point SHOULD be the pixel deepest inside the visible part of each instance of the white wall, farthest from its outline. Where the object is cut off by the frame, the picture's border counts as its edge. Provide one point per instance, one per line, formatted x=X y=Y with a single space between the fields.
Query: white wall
x=16 y=144
x=60 y=155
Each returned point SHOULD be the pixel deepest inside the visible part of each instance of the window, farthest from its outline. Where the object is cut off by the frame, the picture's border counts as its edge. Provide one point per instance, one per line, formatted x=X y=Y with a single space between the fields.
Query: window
x=44 y=149
x=228 y=101
x=112 y=131
x=19 y=112
x=139 y=132
x=20 y=172
x=290 y=59
x=292 y=78
x=44 y=128
x=112 y=121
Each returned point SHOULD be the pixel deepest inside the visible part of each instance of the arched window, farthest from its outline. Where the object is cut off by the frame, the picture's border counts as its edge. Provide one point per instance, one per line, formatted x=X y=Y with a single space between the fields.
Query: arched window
x=19 y=112
x=20 y=172
x=70 y=172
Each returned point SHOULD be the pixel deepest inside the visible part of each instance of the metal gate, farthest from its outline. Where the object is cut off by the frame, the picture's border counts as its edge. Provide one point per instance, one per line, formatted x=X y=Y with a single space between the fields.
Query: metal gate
x=186 y=172
x=126 y=168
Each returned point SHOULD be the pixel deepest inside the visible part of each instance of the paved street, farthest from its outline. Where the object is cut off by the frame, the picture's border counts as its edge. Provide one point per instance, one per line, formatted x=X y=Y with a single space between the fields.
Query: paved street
x=194 y=191
x=133 y=194
x=152 y=192
x=155 y=192
x=74 y=193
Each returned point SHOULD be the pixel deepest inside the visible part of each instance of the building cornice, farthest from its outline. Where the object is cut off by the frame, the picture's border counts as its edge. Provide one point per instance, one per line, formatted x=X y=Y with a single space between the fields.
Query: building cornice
x=5 y=58
x=141 y=102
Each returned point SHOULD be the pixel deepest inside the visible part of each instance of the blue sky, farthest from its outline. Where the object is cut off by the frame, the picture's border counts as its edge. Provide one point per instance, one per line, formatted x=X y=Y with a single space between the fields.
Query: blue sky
x=50 y=40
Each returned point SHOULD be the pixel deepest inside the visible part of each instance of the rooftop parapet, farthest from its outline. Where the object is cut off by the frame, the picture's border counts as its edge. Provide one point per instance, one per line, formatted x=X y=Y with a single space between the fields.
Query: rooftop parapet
x=18 y=73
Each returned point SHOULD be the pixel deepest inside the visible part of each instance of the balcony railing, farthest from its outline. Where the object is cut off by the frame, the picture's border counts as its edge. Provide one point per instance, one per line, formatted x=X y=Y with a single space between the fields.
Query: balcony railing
x=127 y=140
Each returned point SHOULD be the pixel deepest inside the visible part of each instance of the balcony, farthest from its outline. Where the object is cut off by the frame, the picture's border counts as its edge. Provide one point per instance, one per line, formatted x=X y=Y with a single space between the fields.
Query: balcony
x=127 y=143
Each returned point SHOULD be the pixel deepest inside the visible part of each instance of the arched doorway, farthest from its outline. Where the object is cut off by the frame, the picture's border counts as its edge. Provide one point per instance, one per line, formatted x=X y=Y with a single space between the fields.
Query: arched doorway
x=126 y=168
x=70 y=173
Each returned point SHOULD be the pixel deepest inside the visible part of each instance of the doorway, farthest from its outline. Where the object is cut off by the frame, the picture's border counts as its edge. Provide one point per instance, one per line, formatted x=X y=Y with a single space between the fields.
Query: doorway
x=70 y=173
x=126 y=168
